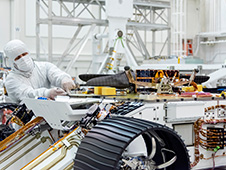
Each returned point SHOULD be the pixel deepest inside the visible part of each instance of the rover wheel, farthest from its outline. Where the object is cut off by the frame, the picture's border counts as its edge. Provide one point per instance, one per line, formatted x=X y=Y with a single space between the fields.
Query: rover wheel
x=128 y=143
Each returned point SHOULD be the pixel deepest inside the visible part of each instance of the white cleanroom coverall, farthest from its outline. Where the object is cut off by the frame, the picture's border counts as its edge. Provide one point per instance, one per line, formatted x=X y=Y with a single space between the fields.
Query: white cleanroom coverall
x=30 y=79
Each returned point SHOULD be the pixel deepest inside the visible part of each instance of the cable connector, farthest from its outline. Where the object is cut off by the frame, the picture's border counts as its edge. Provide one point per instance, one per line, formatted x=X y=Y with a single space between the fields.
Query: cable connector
x=216 y=149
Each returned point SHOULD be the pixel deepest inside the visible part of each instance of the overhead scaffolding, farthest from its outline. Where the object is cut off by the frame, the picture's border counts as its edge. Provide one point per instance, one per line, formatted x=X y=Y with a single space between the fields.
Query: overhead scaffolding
x=148 y=15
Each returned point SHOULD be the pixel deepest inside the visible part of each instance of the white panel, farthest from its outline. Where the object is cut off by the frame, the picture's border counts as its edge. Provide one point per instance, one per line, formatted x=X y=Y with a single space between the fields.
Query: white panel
x=5 y=23
x=186 y=132
x=124 y=8
x=222 y=20
x=193 y=18
x=54 y=112
x=30 y=19
x=185 y=109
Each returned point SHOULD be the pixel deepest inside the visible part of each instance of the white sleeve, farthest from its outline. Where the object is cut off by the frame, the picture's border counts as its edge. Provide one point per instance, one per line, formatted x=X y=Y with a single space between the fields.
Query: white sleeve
x=55 y=75
x=17 y=90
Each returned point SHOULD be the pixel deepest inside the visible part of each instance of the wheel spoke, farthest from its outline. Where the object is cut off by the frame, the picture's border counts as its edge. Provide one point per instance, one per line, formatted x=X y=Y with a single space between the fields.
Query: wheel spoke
x=161 y=142
x=153 y=151
x=168 y=163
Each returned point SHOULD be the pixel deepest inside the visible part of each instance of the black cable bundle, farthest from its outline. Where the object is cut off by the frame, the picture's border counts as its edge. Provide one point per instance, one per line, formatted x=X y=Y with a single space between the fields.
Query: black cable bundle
x=5 y=131
x=23 y=114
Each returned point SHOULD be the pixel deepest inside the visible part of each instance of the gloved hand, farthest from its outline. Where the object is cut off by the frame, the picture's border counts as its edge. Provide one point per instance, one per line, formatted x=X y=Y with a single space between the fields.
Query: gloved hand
x=55 y=92
x=67 y=84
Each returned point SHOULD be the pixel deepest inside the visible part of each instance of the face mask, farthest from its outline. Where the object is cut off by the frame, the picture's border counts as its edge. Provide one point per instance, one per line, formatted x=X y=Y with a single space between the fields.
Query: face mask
x=25 y=64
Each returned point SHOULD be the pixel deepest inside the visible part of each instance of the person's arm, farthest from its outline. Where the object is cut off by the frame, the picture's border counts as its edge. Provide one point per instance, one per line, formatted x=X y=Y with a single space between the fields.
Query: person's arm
x=59 y=78
x=17 y=90
x=55 y=75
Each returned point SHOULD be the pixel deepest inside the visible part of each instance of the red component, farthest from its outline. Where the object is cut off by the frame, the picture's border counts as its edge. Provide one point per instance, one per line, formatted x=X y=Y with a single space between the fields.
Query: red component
x=4 y=117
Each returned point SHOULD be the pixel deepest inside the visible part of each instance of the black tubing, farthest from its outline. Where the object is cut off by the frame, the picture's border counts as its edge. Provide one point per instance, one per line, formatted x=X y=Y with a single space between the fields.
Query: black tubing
x=10 y=106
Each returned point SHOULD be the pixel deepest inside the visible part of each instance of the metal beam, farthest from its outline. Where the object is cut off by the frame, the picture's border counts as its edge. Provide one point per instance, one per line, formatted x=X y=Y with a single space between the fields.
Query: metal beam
x=147 y=55
x=150 y=27
x=87 y=36
x=66 y=52
x=73 y=21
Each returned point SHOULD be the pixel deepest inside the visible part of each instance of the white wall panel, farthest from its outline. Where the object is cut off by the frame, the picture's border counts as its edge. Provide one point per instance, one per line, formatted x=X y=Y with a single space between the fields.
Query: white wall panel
x=222 y=19
x=4 y=22
x=193 y=18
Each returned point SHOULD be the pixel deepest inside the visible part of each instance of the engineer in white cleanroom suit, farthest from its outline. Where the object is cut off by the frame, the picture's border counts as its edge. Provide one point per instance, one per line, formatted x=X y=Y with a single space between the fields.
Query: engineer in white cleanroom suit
x=30 y=79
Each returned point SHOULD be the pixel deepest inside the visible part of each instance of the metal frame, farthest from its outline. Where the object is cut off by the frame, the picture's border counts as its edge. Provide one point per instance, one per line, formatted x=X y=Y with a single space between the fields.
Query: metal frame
x=179 y=26
x=145 y=17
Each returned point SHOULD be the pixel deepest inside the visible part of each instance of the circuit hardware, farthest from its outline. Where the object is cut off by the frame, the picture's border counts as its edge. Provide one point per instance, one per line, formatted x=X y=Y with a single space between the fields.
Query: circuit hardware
x=215 y=137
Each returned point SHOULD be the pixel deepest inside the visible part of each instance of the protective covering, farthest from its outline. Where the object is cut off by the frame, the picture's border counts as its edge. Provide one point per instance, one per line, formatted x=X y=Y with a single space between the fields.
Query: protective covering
x=44 y=76
x=29 y=79
x=25 y=65
x=119 y=80
x=13 y=49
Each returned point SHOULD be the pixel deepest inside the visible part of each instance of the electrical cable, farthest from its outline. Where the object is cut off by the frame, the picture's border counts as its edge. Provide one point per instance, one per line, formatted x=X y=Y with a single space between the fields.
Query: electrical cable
x=14 y=145
x=51 y=135
x=41 y=159
x=42 y=140
x=52 y=150
x=20 y=133
x=17 y=150
x=7 y=122
x=64 y=150
x=216 y=156
x=210 y=135
x=69 y=167
x=55 y=161
x=213 y=160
